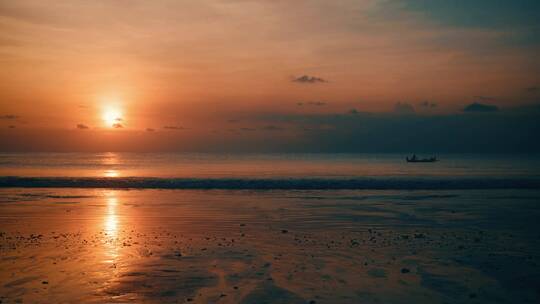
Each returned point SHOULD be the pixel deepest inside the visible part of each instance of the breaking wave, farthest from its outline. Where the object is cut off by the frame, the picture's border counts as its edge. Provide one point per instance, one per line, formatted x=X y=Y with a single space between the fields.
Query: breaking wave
x=382 y=183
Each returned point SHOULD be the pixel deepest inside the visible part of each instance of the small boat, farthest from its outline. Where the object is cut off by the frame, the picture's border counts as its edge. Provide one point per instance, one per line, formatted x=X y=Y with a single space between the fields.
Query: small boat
x=415 y=159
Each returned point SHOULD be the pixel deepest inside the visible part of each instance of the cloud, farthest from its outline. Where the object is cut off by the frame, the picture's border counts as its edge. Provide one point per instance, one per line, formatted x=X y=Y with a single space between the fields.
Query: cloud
x=173 y=128
x=118 y=125
x=119 y=119
x=484 y=98
x=271 y=128
x=353 y=112
x=509 y=130
x=82 y=126
x=480 y=107
x=319 y=128
x=312 y=103
x=428 y=104
x=9 y=117
x=403 y=108
x=507 y=23
x=474 y=14
x=309 y=79
x=150 y=130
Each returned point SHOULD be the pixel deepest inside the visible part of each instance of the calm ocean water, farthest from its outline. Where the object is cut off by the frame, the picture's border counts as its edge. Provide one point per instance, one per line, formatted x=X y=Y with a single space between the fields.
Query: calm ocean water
x=158 y=170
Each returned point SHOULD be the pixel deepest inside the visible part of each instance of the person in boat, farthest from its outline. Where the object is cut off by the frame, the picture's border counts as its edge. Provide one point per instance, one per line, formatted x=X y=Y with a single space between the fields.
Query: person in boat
x=415 y=159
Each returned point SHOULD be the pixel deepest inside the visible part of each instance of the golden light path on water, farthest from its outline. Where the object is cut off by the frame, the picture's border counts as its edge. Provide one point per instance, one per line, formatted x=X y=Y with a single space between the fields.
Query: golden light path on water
x=111 y=221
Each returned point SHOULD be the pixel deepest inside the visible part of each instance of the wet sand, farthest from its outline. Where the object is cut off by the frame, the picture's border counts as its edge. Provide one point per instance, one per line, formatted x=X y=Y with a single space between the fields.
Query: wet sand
x=189 y=246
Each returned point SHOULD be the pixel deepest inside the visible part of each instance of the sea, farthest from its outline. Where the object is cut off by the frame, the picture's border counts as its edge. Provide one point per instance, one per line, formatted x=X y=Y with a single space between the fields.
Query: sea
x=267 y=171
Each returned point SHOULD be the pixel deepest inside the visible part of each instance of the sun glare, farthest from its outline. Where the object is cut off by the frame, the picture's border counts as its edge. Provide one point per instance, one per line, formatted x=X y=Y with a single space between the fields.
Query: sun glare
x=112 y=117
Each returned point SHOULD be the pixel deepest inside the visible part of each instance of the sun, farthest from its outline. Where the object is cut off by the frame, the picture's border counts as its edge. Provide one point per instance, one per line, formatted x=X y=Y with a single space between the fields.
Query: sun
x=112 y=117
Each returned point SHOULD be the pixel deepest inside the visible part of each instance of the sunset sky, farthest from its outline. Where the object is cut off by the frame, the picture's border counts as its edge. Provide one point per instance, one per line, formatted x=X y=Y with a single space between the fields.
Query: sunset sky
x=306 y=76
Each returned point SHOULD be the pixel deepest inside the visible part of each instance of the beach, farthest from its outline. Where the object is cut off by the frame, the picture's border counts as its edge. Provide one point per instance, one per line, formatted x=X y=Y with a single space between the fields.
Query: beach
x=67 y=245
x=280 y=152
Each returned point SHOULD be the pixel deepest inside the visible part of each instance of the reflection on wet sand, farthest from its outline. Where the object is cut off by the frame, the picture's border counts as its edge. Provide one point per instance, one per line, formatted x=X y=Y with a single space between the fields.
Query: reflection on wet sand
x=111 y=227
x=149 y=246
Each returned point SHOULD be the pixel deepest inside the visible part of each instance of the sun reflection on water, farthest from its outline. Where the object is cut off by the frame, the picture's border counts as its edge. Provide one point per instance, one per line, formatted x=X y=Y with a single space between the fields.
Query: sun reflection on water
x=111 y=173
x=110 y=160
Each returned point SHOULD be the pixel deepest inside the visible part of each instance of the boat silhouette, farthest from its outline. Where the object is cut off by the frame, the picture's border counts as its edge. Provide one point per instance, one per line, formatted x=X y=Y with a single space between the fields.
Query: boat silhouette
x=415 y=159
